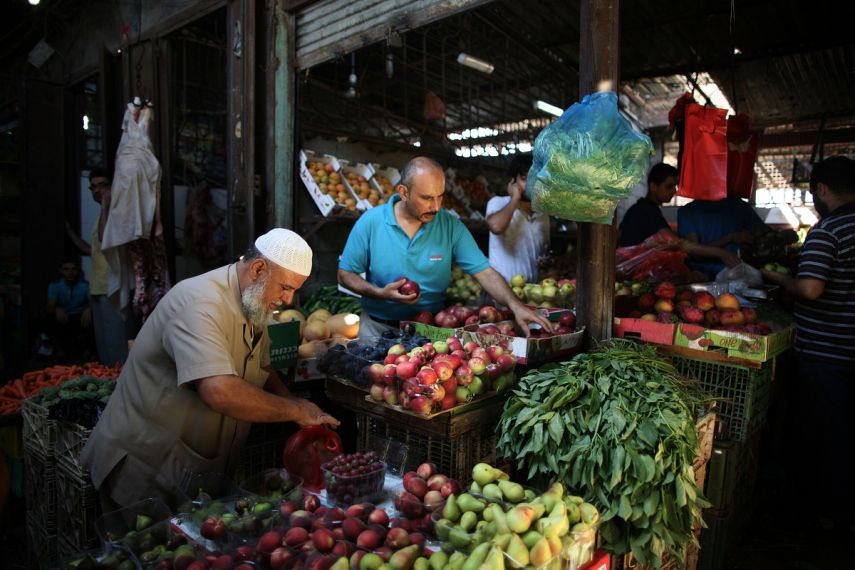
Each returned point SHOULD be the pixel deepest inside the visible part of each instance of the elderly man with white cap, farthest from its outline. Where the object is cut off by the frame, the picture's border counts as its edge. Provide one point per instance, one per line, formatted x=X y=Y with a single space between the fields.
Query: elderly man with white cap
x=198 y=374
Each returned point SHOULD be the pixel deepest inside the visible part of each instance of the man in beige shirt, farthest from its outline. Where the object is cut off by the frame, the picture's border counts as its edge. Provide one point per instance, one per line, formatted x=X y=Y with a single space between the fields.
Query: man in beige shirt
x=198 y=374
x=106 y=320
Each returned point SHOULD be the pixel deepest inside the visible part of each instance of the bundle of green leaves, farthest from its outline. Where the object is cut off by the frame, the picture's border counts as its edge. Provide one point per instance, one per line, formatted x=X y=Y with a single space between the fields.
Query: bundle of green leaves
x=618 y=427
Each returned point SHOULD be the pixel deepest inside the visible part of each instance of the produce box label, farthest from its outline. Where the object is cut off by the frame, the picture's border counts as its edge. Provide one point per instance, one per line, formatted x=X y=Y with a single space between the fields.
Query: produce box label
x=432 y=332
x=646 y=331
x=284 y=340
x=736 y=344
x=528 y=350
x=551 y=313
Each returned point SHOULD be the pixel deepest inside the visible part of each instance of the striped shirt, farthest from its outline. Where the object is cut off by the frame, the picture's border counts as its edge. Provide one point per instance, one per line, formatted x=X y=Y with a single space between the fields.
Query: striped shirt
x=825 y=327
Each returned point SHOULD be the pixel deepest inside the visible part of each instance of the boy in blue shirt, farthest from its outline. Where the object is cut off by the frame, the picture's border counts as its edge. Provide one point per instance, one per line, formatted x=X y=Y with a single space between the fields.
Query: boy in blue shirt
x=412 y=236
x=71 y=317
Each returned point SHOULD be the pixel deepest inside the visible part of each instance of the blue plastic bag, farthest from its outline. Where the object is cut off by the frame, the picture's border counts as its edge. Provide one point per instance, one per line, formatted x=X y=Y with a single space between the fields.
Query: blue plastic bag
x=588 y=160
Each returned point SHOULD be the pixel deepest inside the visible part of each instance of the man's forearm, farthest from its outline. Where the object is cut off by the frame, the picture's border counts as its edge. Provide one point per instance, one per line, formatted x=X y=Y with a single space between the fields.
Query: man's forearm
x=356 y=283
x=275 y=385
x=700 y=250
x=236 y=398
x=496 y=286
x=499 y=221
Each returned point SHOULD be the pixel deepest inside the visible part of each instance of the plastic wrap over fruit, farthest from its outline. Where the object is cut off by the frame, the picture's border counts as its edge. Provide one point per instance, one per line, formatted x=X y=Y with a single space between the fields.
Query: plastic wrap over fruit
x=586 y=161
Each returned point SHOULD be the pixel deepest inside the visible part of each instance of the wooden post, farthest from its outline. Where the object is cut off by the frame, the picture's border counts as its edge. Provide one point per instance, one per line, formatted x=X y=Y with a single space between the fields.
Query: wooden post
x=595 y=276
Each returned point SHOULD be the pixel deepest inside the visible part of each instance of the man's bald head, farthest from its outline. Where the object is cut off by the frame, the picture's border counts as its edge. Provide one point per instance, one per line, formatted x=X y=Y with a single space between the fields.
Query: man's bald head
x=418 y=165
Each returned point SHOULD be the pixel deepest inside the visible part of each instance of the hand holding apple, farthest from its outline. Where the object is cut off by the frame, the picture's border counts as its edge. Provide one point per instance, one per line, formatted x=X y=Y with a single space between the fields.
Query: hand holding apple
x=393 y=292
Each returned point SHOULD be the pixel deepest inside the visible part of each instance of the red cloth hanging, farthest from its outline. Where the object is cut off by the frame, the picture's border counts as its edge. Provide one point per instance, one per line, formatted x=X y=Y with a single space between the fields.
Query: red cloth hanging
x=703 y=169
x=742 y=145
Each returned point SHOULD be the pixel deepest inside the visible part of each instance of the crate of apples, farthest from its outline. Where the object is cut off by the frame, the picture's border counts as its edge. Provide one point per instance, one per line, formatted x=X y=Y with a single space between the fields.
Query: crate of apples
x=439 y=375
x=722 y=312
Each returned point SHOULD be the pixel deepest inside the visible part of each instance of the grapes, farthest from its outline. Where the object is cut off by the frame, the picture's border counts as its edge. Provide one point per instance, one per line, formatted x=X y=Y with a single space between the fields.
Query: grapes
x=354 y=478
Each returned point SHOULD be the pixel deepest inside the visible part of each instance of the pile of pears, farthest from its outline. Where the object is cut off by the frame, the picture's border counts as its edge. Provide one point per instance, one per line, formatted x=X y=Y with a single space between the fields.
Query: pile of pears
x=500 y=524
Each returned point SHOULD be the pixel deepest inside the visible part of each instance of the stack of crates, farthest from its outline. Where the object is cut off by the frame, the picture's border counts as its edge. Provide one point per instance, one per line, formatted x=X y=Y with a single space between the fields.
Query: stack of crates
x=78 y=506
x=743 y=393
x=58 y=490
x=40 y=481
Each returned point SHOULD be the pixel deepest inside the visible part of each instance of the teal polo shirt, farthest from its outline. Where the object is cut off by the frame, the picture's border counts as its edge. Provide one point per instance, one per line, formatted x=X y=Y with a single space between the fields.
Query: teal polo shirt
x=379 y=247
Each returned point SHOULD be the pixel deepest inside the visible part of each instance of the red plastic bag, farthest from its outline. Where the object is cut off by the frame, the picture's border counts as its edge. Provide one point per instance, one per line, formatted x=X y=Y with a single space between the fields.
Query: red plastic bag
x=307 y=450
x=658 y=258
x=741 y=156
x=703 y=170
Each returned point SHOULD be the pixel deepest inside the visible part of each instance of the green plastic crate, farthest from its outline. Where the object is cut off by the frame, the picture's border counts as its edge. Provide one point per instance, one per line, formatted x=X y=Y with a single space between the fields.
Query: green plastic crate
x=742 y=392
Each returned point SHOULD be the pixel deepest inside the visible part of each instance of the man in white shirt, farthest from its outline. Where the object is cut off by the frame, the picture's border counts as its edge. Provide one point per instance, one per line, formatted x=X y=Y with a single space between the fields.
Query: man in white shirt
x=517 y=234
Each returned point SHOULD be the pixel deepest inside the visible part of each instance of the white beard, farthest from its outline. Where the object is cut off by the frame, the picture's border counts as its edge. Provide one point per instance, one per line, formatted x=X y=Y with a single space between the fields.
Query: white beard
x=252 y=303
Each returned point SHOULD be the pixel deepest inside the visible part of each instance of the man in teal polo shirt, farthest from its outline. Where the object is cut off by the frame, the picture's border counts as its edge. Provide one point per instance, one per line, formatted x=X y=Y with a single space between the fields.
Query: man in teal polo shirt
x=412 y=236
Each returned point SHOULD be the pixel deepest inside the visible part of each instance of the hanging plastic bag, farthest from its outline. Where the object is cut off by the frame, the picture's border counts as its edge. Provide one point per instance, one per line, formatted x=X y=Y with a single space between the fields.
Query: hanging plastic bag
x=307 y=450
x=703 y=169
x=741 y=156
x=742 y=272
x=586 y=161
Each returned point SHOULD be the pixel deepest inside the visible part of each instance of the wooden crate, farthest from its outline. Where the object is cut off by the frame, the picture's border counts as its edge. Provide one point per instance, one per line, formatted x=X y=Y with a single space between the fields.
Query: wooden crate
x=457 y=421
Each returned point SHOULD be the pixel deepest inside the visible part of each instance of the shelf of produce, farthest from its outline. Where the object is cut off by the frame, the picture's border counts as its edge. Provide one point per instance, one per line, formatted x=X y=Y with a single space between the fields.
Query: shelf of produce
x=457 y=421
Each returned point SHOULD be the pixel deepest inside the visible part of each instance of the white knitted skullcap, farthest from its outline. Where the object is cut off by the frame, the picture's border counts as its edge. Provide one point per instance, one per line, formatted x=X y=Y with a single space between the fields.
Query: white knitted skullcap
x=287 y=249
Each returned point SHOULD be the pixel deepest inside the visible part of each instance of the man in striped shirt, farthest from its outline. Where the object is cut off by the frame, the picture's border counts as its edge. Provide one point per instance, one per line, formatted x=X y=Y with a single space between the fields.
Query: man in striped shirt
x=825 y=339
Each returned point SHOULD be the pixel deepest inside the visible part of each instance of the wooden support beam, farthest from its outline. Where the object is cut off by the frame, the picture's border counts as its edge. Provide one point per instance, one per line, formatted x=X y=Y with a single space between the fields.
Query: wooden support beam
x=595 y=276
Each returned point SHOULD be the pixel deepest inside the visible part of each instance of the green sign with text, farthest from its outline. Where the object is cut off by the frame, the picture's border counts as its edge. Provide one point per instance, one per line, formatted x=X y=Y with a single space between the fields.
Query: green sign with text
x=284 y=340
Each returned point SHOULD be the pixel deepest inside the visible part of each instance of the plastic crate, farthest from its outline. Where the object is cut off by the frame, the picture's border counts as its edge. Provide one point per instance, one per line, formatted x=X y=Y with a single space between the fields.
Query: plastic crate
x=742 y=392
x=258 y=457
x=719 y=539
x=39 y=431
x=94 y=558
x=70 y=440
x=732 y=474
x=41 y=545
x=78 y=508
x=453 y=456
x=40 y=490
x=114 y=526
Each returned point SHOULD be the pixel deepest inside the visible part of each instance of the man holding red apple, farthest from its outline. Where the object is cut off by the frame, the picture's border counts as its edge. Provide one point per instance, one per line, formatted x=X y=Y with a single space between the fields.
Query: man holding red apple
x=411 y=235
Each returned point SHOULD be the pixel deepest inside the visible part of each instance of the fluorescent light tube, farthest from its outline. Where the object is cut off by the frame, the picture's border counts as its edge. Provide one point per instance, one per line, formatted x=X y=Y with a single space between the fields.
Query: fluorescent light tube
x=474 y=63
x=548 y=108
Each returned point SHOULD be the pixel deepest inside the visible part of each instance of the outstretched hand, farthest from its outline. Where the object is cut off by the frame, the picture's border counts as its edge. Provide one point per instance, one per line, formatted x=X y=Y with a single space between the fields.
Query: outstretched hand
x=312 y=415
x=525 y=316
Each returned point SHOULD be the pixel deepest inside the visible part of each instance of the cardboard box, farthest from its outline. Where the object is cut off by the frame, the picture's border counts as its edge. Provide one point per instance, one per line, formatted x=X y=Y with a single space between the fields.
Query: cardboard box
x=647 y=331
x=324 y=203
x=284 y=340
x=366 y=172
x=389 y=173
x=551 y=313
x=735 y=344
x=529 y=350
x=601 y=561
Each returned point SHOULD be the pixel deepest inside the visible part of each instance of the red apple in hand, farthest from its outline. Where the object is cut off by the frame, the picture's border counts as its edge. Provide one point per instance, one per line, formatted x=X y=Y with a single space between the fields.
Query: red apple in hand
x=409 y=287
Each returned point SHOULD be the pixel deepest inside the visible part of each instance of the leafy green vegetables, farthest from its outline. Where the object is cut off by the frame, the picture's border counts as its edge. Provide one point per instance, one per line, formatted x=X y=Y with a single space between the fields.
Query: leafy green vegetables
x=330 y=298
x=586 y=161
x=617 y=426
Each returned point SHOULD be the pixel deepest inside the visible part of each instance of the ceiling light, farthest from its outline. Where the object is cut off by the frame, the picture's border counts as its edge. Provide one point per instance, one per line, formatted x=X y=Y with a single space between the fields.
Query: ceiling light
x=474 y=63
x=351 y=92
x=85 y=122
x=34 y=2
x=548 y=108
x=736 y=51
